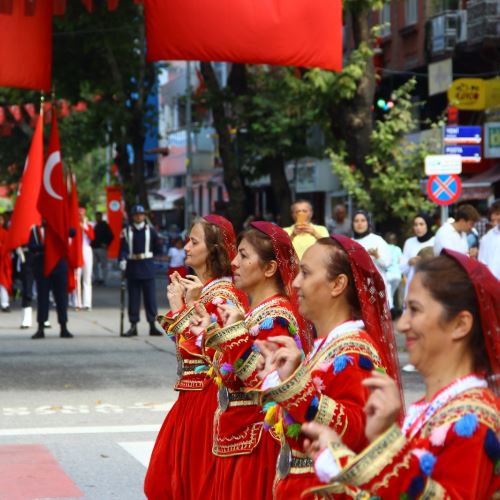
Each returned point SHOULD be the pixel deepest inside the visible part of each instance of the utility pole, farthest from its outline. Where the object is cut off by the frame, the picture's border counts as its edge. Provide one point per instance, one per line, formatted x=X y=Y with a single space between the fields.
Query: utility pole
x=188 y=205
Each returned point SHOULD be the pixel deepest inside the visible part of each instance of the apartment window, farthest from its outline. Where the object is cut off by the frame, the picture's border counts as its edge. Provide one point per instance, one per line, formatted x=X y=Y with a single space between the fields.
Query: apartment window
x=385 y=20
x=411 y=7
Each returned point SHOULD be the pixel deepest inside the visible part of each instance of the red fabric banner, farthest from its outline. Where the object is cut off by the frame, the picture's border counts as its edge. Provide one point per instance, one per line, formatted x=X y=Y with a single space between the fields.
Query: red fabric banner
x=75 y=249
x=5 y=261
x=53 y=203
x=26 y=47
x=26 y=213
x=114 y=210
x=282 y=32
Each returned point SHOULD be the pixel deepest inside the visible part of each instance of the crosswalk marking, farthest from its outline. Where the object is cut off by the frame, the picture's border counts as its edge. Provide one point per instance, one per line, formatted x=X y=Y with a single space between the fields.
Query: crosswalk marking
x=104 y=429
x=140 y=450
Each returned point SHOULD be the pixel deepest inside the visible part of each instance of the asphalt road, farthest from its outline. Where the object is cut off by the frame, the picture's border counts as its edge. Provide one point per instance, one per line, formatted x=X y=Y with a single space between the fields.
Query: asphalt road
x=78 y=417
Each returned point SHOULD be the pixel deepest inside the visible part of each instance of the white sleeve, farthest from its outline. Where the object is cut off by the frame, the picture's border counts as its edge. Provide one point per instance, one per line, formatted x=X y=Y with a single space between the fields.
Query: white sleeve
x=438 y=244
x=385 y=257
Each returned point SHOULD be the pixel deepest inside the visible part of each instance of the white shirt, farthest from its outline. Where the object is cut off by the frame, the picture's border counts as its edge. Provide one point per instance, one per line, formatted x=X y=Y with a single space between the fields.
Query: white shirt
x=489 y=251
x=448 y=237
x=177 y=256
x=384 y=253
x=411 y=248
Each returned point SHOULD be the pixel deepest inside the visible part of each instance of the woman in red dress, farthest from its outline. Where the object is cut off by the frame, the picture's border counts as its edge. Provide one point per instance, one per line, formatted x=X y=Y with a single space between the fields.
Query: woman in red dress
x=447 y=447
x=264 y=268
x=342 y=293
x=182 y=456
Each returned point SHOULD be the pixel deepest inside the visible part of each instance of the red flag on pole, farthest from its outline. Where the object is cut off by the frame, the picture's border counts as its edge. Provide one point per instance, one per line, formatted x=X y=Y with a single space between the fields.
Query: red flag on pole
x=75 y=251
x=26 y=213
x=26 y=47
x=5 y=261
x=282 y=32
x=53 y=203
x=114 y=212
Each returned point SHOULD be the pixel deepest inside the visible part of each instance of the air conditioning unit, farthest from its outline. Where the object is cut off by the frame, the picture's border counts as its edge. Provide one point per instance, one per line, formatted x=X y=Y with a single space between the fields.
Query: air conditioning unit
x=444 y=32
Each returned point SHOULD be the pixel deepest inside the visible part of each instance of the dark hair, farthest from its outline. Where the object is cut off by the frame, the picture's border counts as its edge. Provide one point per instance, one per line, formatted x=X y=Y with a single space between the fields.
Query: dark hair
x=263 y=247
x=467 y=212
x=494 y=208
x=218 y=263
x=339 y=264
x=449 y=284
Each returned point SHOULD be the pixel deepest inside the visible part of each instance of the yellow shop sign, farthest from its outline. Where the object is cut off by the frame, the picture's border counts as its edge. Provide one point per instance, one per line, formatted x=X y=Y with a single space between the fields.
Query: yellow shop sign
x=468 y=94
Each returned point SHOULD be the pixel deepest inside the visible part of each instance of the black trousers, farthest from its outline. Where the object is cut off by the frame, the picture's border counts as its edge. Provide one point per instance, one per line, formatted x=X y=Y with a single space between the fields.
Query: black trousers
x=27 y=279
x=148 y=289
x=58 y=283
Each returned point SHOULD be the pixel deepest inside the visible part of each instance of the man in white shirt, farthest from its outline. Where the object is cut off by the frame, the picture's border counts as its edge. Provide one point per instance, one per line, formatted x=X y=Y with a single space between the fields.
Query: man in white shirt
x=489 y=246
x=453 y=235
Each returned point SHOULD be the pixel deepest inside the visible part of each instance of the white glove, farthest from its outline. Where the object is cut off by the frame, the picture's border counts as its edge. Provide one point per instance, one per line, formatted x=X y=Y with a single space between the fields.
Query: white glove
x=123 y=265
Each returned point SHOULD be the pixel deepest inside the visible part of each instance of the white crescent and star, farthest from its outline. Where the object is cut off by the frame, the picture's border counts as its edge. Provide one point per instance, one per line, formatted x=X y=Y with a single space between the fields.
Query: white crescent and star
x=51 y=162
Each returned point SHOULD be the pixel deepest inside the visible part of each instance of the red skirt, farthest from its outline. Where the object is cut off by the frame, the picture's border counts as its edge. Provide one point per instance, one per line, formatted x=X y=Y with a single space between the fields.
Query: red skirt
x=292 y=487
x=182 y=456
x=245 y=476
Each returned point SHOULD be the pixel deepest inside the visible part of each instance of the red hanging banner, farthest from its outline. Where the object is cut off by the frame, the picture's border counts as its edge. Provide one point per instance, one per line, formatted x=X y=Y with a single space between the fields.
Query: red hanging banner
x=282 y=32
x=26 y=46
x=114 y=210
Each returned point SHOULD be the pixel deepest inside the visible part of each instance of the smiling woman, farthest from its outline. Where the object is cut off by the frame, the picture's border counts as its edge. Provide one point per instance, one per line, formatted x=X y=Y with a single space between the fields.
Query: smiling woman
x=452 y=330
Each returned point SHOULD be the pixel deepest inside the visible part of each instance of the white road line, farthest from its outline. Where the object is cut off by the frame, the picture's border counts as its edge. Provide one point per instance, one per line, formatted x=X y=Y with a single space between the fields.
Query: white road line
x=140 y=450
x=104 y=429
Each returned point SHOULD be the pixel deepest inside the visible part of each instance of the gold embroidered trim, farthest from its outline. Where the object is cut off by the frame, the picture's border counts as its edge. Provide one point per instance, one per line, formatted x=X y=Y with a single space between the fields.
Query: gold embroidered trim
x=227 y=334
x=326 y=410
x=272 y=309
x=239 y=444
x=189 y=385
x=249 y=366
x=374 y=458
x=223 y=289
x=182 y=321
x=404 y=463
x=433 y=491
x=164 y=321
x=294 y=385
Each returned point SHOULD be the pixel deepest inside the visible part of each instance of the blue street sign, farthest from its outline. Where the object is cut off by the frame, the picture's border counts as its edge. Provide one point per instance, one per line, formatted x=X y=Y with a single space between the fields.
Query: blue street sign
x=463 y=134
x=444 y=189
x=469 y=154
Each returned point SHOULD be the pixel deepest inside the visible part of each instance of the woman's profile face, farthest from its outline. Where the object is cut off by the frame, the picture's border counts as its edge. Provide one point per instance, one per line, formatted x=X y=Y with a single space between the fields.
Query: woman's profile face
x=419 y=226
x=196 y=248
x=427 y=334
x=248 y=269
x=360 y=223
x=312 y=284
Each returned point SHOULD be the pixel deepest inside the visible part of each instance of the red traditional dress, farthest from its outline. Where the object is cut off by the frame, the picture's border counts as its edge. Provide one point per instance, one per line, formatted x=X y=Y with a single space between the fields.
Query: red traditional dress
x=5 y=262
x=182 y=456
x=447 y=448
x=327 y=387
x=247 y=455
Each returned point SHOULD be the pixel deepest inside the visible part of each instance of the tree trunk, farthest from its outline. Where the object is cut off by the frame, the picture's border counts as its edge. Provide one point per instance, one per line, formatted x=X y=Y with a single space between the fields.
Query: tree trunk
x=281 y=189
x=227 y=150
x=354 y=123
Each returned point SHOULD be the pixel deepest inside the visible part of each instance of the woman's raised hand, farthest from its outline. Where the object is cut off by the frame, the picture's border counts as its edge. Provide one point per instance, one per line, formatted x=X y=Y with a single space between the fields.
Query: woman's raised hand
x=175 y=292
x=266 y=363
x=200 y=320
x=383 y=405
x=287 y=357
x=230 y=314
x=193 y=287
x=318 y=437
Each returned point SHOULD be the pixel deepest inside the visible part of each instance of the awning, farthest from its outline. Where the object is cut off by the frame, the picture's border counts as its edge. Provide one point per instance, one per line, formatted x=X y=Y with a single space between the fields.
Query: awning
x=164 y=199
x=479 y=186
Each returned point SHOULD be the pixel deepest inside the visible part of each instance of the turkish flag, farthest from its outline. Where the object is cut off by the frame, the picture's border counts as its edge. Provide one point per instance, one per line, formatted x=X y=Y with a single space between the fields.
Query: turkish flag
x=304 y=33
x=75 y=250
x=53 y=203
x=26 y=213
x=26 y=46
x=114 y=212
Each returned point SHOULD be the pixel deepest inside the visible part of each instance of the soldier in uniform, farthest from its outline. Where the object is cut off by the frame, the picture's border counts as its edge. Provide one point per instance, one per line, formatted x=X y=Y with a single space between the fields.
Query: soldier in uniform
x=57 y=281
x=139 y=243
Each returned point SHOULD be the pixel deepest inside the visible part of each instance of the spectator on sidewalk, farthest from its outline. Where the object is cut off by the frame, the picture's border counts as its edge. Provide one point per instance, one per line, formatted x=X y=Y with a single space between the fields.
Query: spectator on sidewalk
x=304 y=233
x=489 y=247
x=453 y=235
x=340 y=224
x=176 y=256
x=5 y=267
x=103 y=236
x=393 y=273
x=83 y=275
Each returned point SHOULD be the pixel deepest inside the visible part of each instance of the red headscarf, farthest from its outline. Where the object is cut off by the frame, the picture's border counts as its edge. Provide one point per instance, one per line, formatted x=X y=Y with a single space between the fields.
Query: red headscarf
x=228 y=233
x=488 y=298
x=371 y=292
x=288 y=266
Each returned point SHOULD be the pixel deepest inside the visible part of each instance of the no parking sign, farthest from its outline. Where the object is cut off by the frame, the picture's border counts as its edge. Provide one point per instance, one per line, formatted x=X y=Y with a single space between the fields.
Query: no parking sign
x=444 y=189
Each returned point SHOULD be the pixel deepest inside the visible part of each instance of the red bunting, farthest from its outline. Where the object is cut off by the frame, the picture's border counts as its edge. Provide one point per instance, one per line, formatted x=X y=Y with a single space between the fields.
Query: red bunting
x=282 y=32
x=26 y=46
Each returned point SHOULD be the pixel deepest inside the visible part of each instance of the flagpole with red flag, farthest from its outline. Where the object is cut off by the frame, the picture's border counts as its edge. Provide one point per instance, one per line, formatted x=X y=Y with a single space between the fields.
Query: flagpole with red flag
x=26 y=213
x=75 y=251
x=53 y=203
